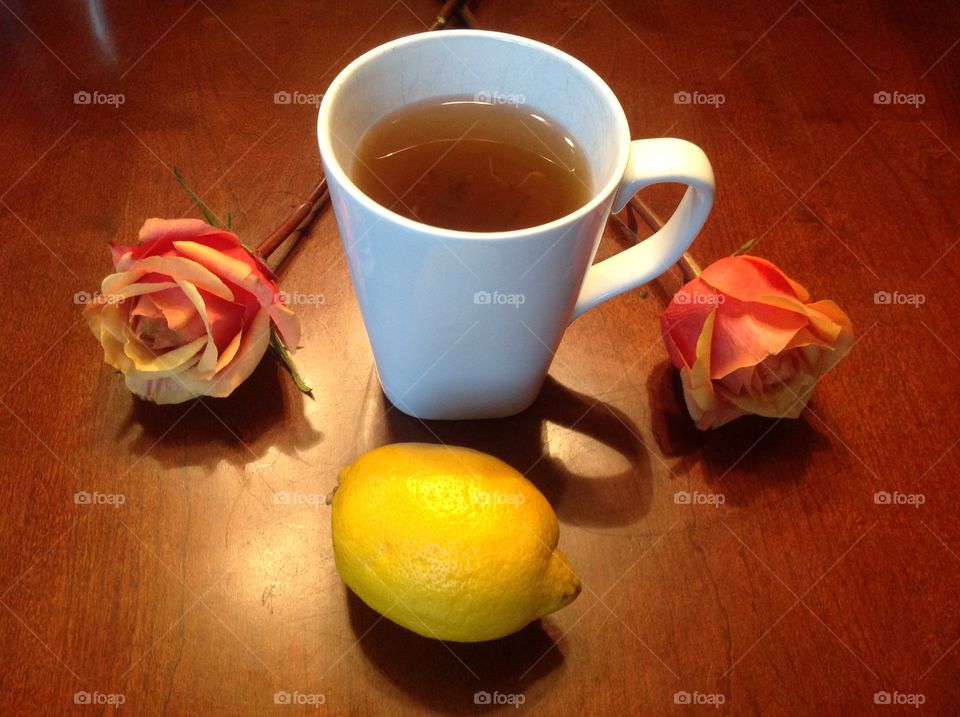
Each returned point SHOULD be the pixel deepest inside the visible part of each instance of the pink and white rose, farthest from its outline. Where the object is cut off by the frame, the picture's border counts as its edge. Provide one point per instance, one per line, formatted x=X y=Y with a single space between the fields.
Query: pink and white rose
x=188 y=312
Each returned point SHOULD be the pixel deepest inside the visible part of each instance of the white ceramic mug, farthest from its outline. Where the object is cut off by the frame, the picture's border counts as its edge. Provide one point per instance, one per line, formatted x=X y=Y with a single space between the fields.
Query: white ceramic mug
x=465 y=324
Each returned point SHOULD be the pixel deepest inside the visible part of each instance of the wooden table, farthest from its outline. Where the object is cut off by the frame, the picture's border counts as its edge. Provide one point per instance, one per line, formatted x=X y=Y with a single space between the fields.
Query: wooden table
x=203 y=594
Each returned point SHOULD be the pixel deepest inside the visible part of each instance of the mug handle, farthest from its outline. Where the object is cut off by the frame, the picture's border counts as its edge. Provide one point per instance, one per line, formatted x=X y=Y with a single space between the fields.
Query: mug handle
x=653 y=161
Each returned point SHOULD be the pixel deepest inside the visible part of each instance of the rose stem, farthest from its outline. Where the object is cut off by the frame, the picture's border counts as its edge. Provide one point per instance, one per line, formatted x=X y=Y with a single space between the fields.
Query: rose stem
x=467 y=17
x=318 y=198
x=688 y=265
x=443 y=17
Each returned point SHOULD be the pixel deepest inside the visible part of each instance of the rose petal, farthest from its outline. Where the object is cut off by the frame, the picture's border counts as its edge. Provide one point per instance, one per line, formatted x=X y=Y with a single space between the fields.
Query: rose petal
x=705 y=406
x=122 y=256
x=208 y=361
x=176 y=308
x=164 y=364
x=157 y=236
x=748 y=332
x=287 y=324
x=97 y=317
x=748 y=277
x=787 y=401
x=253 y=345
x=226 y=318
x=167 y=390
x=682 y=323
x=139 y=289
x=108 y=321
x=226 y=356
x=174 y=267
x=230 y=269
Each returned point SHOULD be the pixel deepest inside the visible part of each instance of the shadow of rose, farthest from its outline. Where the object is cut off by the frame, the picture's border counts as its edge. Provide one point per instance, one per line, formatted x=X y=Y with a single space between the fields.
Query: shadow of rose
x=747 y=459
x=263 y=413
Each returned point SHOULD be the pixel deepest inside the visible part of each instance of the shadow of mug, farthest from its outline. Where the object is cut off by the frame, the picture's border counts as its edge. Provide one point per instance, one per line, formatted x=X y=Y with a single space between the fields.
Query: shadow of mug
x=619 y=498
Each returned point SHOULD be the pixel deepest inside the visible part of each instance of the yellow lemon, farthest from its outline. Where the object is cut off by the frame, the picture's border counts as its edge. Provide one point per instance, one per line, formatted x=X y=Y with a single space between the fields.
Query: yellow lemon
x=449 y=542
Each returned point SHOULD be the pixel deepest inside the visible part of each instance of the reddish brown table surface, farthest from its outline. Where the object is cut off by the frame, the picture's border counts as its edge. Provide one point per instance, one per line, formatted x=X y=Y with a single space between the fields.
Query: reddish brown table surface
x=202 y=594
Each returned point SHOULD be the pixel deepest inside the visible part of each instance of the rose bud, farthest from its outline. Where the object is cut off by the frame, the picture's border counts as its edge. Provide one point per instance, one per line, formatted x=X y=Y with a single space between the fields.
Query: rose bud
x=188 y=312
x=747 y=341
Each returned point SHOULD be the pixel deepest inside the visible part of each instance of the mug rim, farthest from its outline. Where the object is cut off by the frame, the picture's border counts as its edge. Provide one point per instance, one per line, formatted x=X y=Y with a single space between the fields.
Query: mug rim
x=332 y=164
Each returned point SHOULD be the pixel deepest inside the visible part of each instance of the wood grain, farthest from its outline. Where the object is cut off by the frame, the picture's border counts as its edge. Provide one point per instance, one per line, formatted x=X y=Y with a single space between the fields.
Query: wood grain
x=202 y=594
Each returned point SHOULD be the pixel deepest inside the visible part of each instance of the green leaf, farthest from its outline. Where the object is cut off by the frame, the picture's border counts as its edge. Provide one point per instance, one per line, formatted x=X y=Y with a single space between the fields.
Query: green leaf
x=745 y=248
x=280 y=351
x=207 y=214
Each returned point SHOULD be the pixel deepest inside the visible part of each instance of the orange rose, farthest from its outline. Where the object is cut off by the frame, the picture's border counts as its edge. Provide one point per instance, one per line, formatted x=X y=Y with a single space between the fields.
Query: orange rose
x=746 y=340
x=188 y=313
